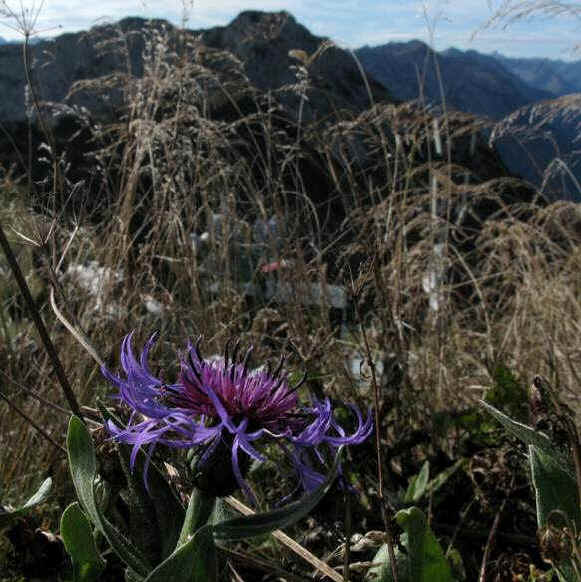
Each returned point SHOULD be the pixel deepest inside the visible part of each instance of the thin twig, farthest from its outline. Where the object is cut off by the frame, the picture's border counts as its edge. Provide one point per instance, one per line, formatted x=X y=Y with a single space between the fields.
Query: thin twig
x=39 y=323
x=32 y=423
x=76 y=333
x=348 y=529
x=482 y=534
x=490 y=541
x=86 y=409
x=236 y=577
x=257 y=563
x=459 y=525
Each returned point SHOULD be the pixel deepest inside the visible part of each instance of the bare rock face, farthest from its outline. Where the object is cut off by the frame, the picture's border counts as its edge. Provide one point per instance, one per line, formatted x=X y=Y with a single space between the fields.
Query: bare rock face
x=265 y=43
x=55 y=65
x=261 y=41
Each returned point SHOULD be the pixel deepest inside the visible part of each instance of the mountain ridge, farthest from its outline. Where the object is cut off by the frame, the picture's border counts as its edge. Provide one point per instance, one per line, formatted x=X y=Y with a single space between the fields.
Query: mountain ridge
x=309 y=77
x=470 y=82
x=262 y=40
x=559 y=77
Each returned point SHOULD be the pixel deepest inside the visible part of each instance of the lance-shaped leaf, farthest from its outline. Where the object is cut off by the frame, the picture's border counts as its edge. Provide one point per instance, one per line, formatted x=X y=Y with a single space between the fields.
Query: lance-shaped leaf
x=418 y=484
x=77 y=534
x=8 y=515
x=555 y=489
x=557 y=500
x=426 y=558
x=83 y=467
x=194 y=561
x=529 y=436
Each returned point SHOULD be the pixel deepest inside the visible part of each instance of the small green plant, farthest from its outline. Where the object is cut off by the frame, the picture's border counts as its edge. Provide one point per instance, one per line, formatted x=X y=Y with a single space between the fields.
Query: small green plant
x=508 y=393
x=193 y=556
x=422 y=559
x=555 y=478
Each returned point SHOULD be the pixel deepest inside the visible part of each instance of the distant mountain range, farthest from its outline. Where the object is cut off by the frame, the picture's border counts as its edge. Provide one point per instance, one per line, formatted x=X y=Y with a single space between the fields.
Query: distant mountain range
x=489 y=85
x=492 y=86
x=33 y=40
x=262 y=41
x=533 y=118
x=558 y=77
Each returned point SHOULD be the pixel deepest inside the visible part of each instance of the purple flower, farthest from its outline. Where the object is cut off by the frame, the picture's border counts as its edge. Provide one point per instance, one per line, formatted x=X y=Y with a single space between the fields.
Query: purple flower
x=222 y=410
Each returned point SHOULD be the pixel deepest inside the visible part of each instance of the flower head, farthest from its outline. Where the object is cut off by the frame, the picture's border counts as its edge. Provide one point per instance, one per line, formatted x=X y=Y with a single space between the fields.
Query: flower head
x=223 y=411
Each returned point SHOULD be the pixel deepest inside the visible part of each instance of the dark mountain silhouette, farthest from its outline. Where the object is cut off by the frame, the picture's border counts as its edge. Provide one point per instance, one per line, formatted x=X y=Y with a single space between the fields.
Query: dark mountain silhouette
x=262 y=41
x=307 y=77
x=467 y=81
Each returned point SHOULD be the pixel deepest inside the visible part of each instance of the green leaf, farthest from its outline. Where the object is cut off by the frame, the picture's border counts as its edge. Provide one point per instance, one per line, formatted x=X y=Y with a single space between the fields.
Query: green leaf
x=41 y=494
x=529 y=436
x=553 y=479
x=456 y=563
x=380 y=570
x=442 y=477
x=77 y=534
x=263 y=523
x=83 y=467
x=222 y=512
x=555 y=489
x=194 y=561
x=566 y=572
x=427 y=562
x=158 y=511
x=417 y=485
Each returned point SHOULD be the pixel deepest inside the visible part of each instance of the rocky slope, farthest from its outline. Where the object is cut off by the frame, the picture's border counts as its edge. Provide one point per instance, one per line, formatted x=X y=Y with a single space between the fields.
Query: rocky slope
x=274 y=57
x=263 y=42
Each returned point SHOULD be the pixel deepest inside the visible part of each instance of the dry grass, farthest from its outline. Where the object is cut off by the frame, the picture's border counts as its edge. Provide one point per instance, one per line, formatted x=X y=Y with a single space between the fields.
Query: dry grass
x=456 y=272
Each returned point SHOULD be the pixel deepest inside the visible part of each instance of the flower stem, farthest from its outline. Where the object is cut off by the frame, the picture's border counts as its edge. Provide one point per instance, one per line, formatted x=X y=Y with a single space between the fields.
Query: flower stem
x=199 y=510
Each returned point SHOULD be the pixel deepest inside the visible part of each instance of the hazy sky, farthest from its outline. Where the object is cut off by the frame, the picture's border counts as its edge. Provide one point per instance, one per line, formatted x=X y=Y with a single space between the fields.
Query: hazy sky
x=350 y=23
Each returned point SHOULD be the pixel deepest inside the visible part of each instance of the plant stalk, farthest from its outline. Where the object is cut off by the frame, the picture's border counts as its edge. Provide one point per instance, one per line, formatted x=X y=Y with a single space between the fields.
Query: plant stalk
x=199 y=511
x=39 y=323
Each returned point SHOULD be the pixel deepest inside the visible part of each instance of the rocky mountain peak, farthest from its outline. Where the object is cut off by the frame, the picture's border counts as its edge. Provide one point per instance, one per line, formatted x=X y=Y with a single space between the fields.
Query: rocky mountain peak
x=258 y=25
x=261 y=41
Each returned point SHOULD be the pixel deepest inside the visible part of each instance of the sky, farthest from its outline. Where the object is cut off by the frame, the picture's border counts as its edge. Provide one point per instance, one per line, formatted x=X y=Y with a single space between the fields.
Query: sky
x=349 y=23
